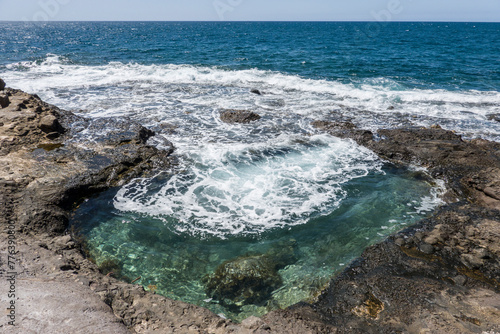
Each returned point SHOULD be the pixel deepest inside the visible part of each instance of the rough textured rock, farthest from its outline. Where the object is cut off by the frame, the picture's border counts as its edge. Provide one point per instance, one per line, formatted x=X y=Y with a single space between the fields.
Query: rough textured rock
x=4 y=100
x=246 y=280
x=238 y=116
x=61 y=300
x=2 y=84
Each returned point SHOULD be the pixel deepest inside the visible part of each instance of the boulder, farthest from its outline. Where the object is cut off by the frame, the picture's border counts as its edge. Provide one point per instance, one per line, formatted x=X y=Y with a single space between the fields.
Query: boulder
x=238 y=116
x=250 y=279
x=50 y=124
x=2 y=84
x=245 y=280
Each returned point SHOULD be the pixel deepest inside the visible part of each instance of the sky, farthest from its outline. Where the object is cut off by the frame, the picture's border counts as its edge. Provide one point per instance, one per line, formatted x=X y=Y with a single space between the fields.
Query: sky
x=250 y=10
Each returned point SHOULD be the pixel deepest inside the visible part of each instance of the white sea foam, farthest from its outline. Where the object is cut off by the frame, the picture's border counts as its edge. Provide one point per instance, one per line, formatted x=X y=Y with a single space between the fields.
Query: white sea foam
x=154 y=93
x=248 y=189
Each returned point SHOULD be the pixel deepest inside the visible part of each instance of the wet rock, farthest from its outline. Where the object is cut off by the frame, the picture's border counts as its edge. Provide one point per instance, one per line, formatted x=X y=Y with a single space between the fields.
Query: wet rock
x=246 y=280
x=256 y=91
x=2 y=84
x=494 y=117
x=249 y=279
x=239 y=116
x=343 y=129
x=333 y=126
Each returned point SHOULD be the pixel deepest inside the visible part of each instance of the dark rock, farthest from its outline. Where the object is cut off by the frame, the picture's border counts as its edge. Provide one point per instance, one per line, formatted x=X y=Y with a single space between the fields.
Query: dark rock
x=391 y=108
x=50 y=123
x=238 y=116
x=494 y=117
x=250 y=279
x=333 y=126
x=52 y=135
x=245 y=280
x=4 y=101
x=256 y=91
x=2 y=84
x=344 y=129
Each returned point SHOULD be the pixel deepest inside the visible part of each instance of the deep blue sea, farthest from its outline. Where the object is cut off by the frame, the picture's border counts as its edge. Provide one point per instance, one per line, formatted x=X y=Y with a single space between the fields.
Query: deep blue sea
x=247 y=190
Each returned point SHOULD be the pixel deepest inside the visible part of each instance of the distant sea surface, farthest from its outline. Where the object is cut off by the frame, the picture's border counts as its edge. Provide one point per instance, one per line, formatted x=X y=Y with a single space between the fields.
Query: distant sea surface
x=245 y=190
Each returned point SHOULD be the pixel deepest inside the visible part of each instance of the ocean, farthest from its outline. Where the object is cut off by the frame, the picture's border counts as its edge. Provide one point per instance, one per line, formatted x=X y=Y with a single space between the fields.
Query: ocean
x=244 y=190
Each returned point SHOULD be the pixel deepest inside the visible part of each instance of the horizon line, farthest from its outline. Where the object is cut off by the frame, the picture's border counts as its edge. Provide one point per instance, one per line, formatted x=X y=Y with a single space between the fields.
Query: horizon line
x=252 y=21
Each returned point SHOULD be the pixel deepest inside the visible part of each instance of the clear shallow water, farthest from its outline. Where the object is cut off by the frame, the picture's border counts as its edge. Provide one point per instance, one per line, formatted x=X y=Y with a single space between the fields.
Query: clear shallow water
x=249 y=189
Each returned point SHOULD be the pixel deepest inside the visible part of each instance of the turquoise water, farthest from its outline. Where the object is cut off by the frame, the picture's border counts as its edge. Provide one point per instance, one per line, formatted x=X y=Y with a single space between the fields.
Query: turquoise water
x=275 y=193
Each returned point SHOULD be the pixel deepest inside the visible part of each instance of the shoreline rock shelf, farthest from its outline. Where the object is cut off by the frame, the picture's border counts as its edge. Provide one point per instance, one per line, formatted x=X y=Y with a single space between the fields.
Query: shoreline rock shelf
x=440 y=276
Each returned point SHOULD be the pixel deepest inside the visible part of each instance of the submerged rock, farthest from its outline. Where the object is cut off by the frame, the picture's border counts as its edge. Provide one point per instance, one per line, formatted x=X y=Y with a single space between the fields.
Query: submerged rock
x=238 y=116
x=250 y=279
x=246 y=280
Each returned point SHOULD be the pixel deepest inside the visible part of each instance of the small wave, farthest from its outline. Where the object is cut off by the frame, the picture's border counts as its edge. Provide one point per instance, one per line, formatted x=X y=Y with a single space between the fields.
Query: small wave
x=156 y=93
x=240 y=189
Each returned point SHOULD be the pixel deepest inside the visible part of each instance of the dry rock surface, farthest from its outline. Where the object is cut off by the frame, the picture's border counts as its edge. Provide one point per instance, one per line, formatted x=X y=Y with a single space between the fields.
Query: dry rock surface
x=440 y=276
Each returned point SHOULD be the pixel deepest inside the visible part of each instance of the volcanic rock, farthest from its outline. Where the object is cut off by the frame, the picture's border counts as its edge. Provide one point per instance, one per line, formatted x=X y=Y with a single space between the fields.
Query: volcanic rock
x=250 y=279
x=494 y=117
x=4 y=101
x=238 y=116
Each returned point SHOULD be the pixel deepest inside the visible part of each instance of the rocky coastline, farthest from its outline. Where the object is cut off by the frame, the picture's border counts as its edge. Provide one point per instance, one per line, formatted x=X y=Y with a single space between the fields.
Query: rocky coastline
x=439 y=276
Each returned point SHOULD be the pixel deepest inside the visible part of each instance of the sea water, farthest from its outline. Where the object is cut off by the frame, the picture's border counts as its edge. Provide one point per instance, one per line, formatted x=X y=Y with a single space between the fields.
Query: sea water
x=241 y=190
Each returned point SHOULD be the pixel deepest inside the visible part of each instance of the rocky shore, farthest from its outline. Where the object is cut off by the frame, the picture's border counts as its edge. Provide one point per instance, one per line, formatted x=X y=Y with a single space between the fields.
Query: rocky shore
x=440 y=276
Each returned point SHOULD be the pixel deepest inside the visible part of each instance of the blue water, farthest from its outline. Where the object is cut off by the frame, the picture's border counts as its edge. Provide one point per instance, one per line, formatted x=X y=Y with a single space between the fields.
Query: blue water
x=452 y=56
x=278 y=183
